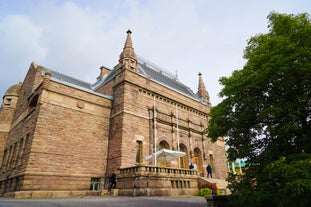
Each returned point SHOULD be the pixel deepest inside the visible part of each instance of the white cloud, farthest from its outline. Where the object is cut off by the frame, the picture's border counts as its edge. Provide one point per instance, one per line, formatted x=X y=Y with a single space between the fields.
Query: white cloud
x=77 y=37
x=20 y=43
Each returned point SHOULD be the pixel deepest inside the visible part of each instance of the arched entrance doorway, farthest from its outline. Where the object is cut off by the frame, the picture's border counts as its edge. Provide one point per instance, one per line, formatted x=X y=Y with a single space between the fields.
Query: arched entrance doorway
x=197 y=159
x=183 y=160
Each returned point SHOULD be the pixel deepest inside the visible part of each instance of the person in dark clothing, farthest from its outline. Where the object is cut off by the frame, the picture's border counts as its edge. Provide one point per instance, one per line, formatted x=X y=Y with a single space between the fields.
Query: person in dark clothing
x=191 y=166
x=209 y=171
x=113 y=181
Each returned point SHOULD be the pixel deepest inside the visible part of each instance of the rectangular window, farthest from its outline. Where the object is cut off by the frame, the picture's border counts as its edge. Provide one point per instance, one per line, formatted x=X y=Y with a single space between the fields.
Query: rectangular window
x=25 y=145
x=139 y=151
x=14 y=155
x=8 y=101
x=8 y=164
x=4 y=159
x=95 y=183
x=20 y=149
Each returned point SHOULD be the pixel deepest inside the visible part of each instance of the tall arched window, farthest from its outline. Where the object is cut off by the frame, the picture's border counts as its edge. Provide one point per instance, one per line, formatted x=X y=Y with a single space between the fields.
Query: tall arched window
x=183 y=160
x=164 y=145
x=139 y=151
x=197 y=159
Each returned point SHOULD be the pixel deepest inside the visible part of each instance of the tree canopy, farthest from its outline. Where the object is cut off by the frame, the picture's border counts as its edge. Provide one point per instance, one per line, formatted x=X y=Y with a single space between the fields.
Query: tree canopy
x=265 y=115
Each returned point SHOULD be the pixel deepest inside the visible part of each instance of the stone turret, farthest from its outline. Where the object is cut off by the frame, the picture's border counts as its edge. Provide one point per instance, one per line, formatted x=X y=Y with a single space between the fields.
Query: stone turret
x=128 y=59
x=6 y=114
x=11 y=96
x=202 y=92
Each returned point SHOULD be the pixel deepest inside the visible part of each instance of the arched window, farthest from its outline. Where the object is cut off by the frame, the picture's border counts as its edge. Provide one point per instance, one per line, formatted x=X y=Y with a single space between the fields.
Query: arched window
x=163 y=145
x=139 y=151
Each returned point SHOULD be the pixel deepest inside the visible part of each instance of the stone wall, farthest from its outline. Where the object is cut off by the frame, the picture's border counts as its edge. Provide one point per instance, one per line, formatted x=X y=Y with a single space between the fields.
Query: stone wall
x=6 y=116
x=53 y=145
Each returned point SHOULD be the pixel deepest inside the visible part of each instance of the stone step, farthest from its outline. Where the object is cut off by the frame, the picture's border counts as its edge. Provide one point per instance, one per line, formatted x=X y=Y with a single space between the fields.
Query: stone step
x=221 y=184
x=113 y=192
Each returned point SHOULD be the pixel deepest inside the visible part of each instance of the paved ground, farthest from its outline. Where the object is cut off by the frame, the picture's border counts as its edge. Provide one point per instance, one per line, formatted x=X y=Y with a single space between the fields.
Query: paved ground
x=106 y=201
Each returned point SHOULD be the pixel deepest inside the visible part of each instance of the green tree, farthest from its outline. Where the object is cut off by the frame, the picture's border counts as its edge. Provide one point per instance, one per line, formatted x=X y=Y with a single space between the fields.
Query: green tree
x=265 y=116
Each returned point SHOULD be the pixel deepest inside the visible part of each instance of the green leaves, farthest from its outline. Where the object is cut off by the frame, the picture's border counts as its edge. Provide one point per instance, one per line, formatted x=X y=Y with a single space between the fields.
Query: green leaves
x=266 y=112
x=205 y=191
x=291 y=178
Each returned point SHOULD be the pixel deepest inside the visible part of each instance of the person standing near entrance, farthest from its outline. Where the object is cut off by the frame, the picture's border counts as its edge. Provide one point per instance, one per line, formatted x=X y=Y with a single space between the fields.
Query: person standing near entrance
x=209 y=171
x=113 y=181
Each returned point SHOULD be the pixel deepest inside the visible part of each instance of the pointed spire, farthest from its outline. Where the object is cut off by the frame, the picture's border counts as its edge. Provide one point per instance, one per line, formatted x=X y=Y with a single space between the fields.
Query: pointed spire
x=128 y=42
x=128 y=59
x=202 y=92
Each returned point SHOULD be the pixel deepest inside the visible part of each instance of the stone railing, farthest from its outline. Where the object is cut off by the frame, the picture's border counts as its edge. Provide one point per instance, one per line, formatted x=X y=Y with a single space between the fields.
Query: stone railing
x=156 y=169
x=144 y=180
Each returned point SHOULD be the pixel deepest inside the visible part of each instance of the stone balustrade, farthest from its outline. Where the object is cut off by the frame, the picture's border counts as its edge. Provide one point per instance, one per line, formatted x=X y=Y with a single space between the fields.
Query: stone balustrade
x=145 y=180
x=156 y=169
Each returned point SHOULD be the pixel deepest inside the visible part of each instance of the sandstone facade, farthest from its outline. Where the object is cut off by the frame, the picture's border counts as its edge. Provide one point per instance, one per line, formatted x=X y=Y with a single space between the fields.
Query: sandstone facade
x=65 y=135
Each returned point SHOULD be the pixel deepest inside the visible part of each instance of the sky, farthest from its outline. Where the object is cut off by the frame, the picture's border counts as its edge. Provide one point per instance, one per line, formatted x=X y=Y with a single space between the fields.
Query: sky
x=184 y=37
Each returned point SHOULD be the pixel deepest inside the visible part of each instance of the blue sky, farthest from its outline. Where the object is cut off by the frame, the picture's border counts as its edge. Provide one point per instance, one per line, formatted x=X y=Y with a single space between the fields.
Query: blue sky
x=182 y=36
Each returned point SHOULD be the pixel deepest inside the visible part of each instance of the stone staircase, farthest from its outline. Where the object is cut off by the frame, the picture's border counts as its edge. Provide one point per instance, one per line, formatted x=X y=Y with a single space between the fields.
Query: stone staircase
x=221 y=184
x=114 y=192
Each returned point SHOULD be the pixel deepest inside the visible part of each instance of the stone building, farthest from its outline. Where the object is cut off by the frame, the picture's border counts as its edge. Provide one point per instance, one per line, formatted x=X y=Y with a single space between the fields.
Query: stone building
x=60 y=136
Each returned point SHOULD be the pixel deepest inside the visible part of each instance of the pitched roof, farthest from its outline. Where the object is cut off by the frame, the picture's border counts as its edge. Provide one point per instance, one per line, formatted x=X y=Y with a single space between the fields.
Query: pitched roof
x=156 y=74
x=164 y=78
x=68 y=79
x=147 y=69
x=73 y=82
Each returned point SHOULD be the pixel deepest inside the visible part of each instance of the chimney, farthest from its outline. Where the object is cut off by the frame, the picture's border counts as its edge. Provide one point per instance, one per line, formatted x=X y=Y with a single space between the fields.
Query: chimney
x=103 y=71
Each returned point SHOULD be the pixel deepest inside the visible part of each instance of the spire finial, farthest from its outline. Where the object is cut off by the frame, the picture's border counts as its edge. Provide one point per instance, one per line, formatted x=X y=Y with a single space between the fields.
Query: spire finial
x=128 y=53
x=202 y=92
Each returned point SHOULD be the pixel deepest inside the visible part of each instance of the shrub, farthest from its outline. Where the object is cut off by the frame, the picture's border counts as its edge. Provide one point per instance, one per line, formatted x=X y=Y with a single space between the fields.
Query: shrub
x=211 y=186
x=205 y=191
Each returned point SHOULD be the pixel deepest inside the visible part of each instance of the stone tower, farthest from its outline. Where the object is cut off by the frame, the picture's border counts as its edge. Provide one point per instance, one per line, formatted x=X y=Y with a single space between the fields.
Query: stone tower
x=119 y=151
